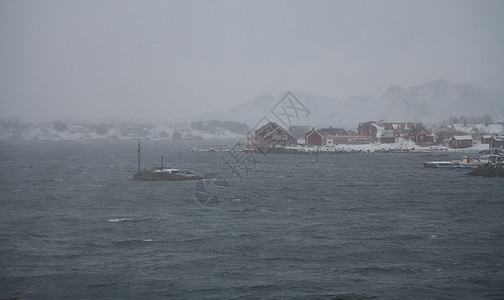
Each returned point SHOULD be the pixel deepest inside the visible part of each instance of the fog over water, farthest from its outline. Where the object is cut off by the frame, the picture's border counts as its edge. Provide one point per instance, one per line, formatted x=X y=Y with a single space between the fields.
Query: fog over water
x=97 y=94
x=173 y=60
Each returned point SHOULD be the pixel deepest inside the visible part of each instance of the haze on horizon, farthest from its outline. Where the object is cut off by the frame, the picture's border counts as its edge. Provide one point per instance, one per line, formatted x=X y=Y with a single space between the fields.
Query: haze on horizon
x=172 y=60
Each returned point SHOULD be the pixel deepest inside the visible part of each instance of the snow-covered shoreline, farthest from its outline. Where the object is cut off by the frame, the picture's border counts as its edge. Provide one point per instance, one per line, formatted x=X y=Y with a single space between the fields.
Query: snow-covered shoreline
x=164 y=132
x=399 y=146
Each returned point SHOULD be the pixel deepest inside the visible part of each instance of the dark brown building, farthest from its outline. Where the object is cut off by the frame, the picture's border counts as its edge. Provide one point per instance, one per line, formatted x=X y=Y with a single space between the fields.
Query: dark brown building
x=273 y=135
x=313 y=138
x=462 y=141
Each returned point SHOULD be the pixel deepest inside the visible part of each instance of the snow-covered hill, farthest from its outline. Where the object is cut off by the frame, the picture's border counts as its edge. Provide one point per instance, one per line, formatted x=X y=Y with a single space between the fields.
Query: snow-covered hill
x=428 y=103
x=437 y=100
x=431 y=102
x=88 y=131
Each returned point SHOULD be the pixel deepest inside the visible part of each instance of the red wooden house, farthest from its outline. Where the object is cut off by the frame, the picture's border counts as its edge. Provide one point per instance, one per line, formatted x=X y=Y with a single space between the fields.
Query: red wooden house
x=273 y=135
x=462 y=141
x=422 y=138
x=313 y=138
x=486 y=139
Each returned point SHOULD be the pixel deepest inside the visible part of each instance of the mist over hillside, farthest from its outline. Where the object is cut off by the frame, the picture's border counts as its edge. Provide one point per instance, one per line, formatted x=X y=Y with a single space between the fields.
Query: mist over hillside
x=433 y=101
x=437 y=100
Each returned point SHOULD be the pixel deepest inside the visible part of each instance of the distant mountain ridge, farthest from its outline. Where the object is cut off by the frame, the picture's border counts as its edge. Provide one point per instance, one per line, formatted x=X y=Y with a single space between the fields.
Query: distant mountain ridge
x=430 y=102
x=437 y=100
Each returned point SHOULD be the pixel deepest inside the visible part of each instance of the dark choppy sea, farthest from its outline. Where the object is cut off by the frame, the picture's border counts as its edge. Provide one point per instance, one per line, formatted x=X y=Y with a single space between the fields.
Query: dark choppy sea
x=348 y=226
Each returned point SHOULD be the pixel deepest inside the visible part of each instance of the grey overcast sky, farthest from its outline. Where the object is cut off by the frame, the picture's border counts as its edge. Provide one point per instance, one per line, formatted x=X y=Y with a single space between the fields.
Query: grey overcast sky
x=169 y=59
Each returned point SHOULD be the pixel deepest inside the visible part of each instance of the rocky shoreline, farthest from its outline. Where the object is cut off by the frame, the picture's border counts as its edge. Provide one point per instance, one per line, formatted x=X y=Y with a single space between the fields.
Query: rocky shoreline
x=489 y=170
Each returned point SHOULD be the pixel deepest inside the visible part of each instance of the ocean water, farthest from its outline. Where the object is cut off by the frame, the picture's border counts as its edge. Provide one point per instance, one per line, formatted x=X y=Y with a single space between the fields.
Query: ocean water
x=348 y=226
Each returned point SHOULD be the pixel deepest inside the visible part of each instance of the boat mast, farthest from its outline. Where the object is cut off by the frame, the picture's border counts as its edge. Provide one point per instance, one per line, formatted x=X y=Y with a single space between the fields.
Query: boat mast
x=162 y=162
x=138 y=155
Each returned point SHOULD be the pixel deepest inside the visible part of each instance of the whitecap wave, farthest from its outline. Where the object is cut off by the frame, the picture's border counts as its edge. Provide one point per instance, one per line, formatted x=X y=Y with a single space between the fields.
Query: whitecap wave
x=119 y=220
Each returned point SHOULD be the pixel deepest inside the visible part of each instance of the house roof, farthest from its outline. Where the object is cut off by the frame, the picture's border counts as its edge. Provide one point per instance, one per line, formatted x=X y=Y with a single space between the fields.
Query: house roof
x=421 y=131
x=274 y=128
x=364 y=126
x=490 y=128
x=330 y=131
x=312 y=132
x=481 y=128
x=462 y=137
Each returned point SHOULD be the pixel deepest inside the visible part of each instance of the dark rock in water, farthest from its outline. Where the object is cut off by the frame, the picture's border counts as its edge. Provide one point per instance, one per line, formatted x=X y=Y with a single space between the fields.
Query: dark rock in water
x=489 y=170
x=166 y=175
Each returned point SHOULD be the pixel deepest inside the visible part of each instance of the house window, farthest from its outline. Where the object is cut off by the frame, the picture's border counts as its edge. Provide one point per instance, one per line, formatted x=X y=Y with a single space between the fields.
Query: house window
x=421 y=137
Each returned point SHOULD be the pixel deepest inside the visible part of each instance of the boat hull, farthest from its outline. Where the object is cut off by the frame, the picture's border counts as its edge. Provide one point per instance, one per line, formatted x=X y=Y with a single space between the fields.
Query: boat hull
x=449 y=165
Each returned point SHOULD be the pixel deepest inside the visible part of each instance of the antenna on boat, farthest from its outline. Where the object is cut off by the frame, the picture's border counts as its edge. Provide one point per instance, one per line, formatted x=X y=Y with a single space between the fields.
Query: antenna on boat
x=139 y=150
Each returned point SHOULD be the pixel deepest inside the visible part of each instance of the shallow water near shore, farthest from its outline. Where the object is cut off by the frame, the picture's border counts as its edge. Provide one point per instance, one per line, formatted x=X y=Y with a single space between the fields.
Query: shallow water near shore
x=73 y=225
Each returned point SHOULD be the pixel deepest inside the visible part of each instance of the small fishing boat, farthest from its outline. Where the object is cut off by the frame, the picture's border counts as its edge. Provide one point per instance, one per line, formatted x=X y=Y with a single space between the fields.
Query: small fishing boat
x=162 y=173
x=466 y=162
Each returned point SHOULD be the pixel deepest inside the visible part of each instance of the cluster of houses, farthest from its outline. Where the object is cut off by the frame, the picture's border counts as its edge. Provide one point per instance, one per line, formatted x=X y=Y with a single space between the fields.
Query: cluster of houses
x=466 y=135
x=454 y=136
